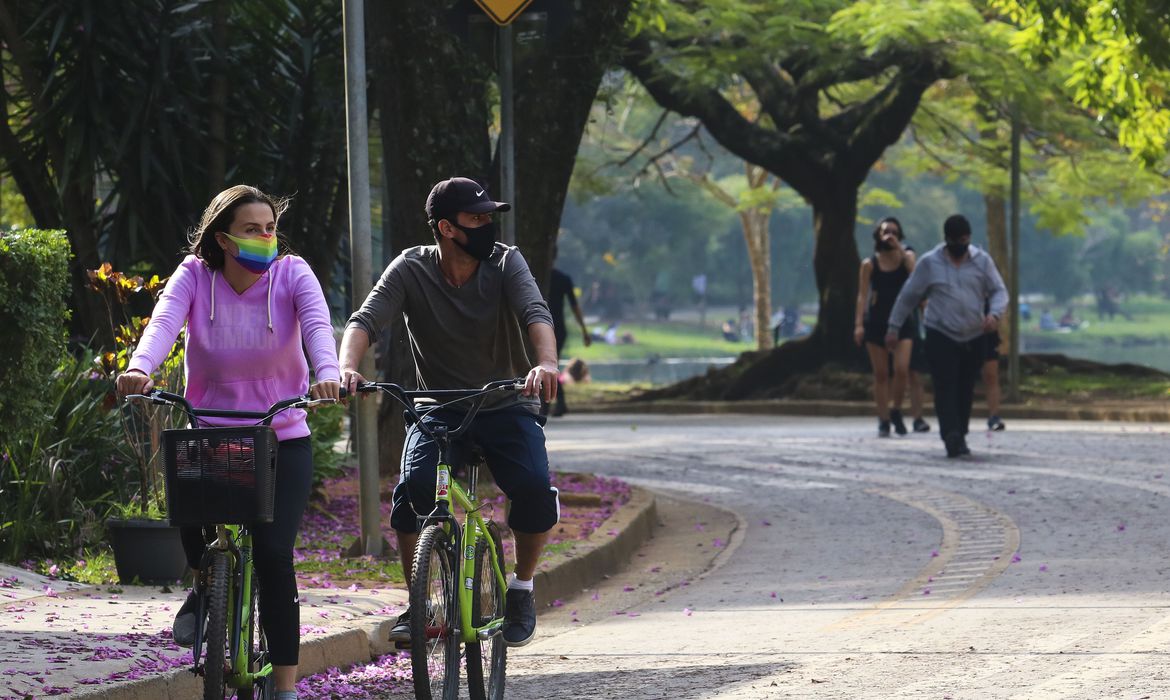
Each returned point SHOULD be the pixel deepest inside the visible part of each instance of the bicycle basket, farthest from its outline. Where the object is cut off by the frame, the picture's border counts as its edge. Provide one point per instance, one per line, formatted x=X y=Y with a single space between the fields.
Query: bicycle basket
x=220 y=475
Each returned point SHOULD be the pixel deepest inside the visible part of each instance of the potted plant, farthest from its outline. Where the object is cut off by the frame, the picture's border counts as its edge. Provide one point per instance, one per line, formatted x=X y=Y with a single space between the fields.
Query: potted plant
x=147 y=549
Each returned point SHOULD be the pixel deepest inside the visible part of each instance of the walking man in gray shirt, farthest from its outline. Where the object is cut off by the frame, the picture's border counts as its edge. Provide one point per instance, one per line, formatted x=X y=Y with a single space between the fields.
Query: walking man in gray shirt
x=957 y=279
x=468 y=302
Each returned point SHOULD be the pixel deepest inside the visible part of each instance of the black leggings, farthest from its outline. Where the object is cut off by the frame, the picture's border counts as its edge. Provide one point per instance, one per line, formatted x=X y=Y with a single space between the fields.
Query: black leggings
x=280 y=612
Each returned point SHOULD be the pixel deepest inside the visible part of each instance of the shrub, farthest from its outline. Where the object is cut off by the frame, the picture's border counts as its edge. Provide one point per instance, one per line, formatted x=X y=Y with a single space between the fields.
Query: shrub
x=55 y=483
x=34 y=282
x=325 y=422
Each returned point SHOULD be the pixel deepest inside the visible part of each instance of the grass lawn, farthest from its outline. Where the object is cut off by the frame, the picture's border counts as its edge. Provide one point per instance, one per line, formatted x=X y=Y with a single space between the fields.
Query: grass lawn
x=660 y=339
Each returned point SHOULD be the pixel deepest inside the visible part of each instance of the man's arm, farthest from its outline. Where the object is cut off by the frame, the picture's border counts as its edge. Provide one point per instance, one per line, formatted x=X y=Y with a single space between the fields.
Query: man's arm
x=998 y=299
x=353 y=348
x=542 y=379
x=585 y=337
x=909 y=298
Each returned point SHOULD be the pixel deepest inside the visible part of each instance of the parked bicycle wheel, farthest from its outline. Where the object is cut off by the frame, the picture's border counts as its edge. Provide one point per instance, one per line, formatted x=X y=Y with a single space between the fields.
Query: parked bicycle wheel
x=263 y=688
x=434 y=617
x=486 y=659
x=215 y=662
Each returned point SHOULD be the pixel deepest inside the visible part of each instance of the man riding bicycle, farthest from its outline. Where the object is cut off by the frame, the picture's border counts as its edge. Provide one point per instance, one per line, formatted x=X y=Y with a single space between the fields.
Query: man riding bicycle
x=466 y=302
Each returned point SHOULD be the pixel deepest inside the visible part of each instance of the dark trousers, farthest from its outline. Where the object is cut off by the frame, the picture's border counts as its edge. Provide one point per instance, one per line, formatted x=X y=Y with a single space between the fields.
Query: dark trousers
x=954 y=367
x=280 y=612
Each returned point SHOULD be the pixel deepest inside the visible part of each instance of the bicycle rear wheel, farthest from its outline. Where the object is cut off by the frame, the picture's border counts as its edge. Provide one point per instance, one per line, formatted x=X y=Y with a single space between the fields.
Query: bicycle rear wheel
x=215 y=661
x=487 y=659
x=434 y=617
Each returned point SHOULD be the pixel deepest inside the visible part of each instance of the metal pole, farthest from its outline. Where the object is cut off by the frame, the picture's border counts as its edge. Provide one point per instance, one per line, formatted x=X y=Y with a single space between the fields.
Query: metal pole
x=361 y=252
x=507 y=134
x=1014 y=282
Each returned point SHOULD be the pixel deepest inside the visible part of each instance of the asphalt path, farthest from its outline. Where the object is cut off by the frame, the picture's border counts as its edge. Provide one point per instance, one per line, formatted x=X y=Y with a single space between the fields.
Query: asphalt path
x=865 y=568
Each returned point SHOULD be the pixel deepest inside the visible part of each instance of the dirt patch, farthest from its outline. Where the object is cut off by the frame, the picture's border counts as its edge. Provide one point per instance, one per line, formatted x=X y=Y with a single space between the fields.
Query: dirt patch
x=1044 y=376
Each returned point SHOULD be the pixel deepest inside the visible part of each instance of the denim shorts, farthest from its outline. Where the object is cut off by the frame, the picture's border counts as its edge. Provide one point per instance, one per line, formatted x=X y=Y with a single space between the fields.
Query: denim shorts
x=512 y=442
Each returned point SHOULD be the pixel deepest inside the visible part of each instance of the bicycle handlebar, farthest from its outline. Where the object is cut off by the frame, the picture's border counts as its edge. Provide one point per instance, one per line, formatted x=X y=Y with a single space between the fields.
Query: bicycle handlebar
x=166 y=398
x=446 y=397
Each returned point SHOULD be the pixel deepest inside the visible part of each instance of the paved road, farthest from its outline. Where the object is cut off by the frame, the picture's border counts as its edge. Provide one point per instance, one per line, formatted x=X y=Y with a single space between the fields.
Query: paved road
x=879 y=569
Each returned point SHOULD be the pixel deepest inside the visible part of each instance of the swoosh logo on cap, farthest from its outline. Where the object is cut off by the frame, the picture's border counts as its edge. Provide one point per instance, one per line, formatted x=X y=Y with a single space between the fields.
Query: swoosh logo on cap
x=479 y=194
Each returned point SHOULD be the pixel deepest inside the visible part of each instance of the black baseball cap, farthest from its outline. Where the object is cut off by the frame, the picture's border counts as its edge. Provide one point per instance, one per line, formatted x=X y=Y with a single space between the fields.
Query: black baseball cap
x=457 y=194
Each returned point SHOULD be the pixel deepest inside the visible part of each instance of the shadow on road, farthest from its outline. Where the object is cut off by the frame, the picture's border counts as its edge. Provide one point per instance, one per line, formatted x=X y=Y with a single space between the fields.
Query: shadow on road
x=625 y=680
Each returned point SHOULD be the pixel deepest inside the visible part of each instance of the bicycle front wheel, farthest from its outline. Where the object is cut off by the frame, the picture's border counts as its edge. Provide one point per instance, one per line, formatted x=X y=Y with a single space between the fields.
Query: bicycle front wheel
x=487 y=658
x=434 y=617
x=215 y=662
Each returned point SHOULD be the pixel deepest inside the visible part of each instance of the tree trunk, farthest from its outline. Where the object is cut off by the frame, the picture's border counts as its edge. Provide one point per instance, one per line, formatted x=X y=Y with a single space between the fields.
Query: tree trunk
x=555 y=89
x=835 y=262
x=217 y=101
x=431 y=95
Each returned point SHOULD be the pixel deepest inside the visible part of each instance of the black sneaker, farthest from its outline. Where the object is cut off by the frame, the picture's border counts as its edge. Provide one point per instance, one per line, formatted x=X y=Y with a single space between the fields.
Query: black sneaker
x=994 y=423
x=957 y=445
x=519 y=617
x=921 y=426
x=400 y=632
x=883 y=428
x=184 y=628
x=896 y=421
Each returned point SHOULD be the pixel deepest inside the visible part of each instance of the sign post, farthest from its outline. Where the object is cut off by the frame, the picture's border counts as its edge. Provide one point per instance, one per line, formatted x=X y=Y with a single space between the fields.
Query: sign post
x=503 y=12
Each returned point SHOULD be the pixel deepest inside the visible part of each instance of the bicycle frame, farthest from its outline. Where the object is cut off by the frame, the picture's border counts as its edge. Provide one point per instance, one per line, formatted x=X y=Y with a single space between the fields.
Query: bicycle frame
x=448 y=492
x=236 y=541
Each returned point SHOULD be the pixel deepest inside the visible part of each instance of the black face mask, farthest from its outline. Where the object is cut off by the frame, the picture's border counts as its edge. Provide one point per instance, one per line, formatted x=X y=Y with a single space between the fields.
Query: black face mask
x=957 y=250
x=480 y=241
x=883 y=245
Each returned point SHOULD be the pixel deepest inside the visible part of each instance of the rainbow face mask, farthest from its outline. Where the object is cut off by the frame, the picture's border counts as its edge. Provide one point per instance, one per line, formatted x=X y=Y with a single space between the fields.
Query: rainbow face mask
x=256 y=254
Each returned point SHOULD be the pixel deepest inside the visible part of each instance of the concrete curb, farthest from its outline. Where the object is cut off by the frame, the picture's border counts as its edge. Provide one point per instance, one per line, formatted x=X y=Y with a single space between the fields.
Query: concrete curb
x=602 y=554
x=1150 y=413
x=606 y=553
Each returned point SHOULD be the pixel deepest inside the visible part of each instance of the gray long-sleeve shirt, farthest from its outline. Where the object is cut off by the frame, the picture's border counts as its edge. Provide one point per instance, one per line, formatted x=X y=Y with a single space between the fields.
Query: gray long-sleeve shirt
x=461 y=337
x=957 y=294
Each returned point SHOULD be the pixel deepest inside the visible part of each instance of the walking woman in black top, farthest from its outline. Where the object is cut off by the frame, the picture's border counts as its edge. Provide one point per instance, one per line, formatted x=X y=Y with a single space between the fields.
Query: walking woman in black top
x=882 y=277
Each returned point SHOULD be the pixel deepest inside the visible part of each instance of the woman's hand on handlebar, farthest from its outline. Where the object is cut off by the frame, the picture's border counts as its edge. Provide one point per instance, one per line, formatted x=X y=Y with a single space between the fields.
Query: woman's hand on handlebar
x=326 y=390
x=132 y=382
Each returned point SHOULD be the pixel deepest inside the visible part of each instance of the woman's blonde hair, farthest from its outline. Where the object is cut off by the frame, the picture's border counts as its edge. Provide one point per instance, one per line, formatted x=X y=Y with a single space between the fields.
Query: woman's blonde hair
x=218 y=216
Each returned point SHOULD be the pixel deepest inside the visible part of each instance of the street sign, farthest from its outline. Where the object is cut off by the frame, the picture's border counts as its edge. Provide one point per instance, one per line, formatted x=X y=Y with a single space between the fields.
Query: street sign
x=503 y=12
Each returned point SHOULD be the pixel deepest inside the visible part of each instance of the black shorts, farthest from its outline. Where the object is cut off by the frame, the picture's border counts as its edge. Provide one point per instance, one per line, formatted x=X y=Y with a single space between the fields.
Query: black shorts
x=991 y=342
x=875 y=333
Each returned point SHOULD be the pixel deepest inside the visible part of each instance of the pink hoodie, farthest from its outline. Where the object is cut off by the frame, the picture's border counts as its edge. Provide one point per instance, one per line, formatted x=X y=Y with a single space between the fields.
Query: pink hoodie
x=243 y=351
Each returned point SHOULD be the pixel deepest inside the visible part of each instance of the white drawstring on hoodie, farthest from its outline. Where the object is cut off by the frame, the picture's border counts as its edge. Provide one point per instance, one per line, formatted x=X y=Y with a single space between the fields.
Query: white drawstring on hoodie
x=211 y=316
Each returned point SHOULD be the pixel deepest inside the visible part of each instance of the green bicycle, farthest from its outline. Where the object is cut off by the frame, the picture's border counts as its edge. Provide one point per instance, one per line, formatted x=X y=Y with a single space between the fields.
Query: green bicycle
x=457 y=584
x=225 y=478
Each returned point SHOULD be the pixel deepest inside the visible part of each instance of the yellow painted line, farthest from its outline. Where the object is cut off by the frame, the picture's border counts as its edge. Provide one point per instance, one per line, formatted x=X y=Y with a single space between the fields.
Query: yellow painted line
x=963 y=522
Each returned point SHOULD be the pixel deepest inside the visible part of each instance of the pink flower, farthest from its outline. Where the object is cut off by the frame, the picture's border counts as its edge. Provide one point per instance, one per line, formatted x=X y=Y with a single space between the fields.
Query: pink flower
x=558 y=603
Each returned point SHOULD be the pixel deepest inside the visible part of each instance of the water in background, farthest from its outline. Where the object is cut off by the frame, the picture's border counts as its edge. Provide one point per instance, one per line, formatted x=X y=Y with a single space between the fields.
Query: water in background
x=663 y=370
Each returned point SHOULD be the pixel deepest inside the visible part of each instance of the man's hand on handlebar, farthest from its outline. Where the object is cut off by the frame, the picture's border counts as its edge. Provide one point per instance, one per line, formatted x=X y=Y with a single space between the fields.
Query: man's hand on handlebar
x=132 y=382
x=541 y=381
x=350 y=380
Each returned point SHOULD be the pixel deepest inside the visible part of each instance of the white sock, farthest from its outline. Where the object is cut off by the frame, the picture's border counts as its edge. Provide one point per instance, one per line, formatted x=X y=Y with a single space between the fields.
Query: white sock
x=517 y=584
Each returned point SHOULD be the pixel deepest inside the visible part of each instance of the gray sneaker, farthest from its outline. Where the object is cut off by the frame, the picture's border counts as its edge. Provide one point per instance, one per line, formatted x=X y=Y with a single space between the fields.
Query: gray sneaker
x=519 y=617
x=184 y=628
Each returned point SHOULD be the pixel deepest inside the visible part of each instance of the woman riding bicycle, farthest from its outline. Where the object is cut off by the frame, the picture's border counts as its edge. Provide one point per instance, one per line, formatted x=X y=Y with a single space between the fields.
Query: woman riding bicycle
x=247 y=311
